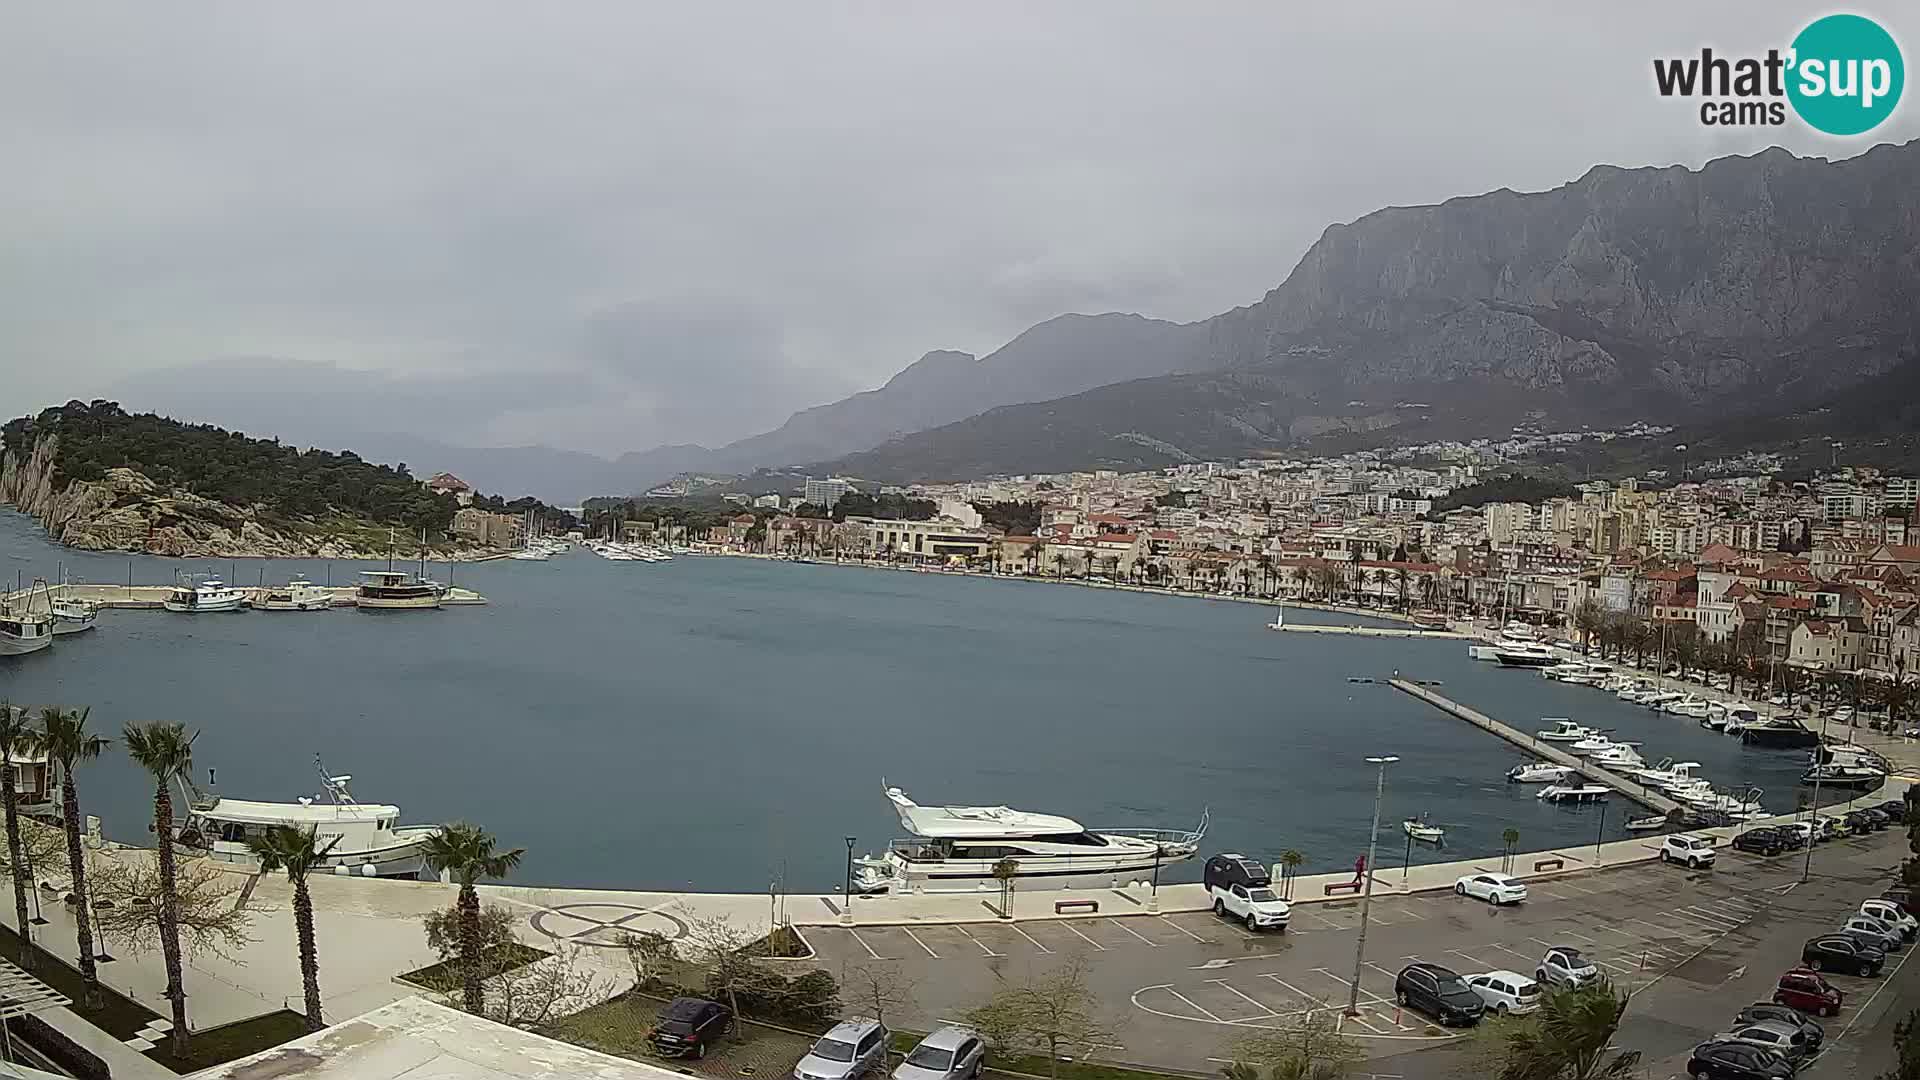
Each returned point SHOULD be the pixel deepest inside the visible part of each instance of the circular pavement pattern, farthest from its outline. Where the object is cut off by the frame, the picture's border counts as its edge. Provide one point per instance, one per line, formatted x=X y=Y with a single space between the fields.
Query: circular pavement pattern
x=603 y=924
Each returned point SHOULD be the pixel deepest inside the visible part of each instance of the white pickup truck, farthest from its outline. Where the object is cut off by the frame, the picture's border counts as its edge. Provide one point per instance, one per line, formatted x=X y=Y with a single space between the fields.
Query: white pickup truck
x=1240 y=888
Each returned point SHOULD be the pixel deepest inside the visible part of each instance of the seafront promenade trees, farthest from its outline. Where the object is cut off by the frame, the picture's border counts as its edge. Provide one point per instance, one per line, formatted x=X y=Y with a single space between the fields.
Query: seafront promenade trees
x=64 y=738
x=1569 y=1038
x=283 y=847
x=469 y=853
x=14 y=736
x=165 y=750
x=1048 y=1013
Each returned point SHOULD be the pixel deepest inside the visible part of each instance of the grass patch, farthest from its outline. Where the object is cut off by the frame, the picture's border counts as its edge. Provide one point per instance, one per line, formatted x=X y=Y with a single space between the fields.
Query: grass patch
x=122 y=1017
x=999 y=1061
x=616 y=1026
x=495 y=961
x=780 y=943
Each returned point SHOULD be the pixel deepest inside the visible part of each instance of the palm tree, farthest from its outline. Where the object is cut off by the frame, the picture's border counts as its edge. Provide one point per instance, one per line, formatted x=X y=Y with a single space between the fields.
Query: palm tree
x=166 y=751
x=64 y=738
x=14 y=733
x=1290 y=861
x=468 y=853
x=1511 y=838
x=1588 y=618
x=1005 y=871
x=1569 y=1037
x=1401 y=577
x=283 y=847
x=1301 y=576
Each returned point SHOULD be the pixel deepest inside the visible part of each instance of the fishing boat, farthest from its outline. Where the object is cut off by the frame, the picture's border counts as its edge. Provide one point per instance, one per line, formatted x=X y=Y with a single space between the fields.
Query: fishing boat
x=298 y=594
x=1559 y=793
x=368 y=839
x=1539 y=772
x=1424 y=831
x=1563 y=730
x=958 y=848
x=23 y=632
x=205 y=594
x=73 y=616
x=393 y=590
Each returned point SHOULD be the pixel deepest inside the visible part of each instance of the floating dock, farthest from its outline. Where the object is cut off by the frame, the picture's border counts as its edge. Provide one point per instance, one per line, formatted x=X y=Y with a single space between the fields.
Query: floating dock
x=1365 y=631
x=1630 y=788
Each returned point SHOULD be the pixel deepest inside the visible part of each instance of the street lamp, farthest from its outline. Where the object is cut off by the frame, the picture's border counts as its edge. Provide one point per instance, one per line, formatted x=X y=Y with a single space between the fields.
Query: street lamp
x=1813 y=827
x=847 y=897
x=1366 y=895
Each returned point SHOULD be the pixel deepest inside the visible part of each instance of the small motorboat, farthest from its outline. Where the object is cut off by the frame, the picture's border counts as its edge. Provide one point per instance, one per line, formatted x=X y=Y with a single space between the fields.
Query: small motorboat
x=298 y=594
x=1563 y=730
x=206 y=594
x=1592 y=744
x=1539 y=772
x=1572 y=793
x=1619 y=757
x=1423 y=831
x=1693 y=708
x=1647 y=824
x=1658 y=700
x=73 y=616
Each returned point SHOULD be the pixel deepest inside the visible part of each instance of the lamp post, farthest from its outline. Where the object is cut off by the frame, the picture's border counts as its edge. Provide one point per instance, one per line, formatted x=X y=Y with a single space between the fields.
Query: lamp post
x=1600 y=833
x=1366 y=895
x=1153 y=898
x=846 y=898
x=1813 y=827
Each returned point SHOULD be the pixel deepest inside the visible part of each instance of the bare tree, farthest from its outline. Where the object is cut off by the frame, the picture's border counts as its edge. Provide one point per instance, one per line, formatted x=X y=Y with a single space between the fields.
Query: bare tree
x=721 y=949
x=1047 y=1013
x=1304 y=1046
x=876 y=987
x=126 y=893
x=536 y=994
x=651 y=954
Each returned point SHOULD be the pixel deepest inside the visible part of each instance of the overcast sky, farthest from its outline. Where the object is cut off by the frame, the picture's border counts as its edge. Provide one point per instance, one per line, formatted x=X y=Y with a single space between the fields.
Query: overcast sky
x=611 y=225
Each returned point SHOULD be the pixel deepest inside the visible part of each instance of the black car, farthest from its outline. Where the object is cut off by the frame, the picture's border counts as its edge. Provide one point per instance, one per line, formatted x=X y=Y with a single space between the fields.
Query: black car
x=688 y=1025
x=1761 y=1011
x=1899 y=895
x=1862 y=822
x=1763 y=841
x=1228 y=869
x=1736 y=1061
x=1895 y=809
x=1835 y=952
x=1438 y=992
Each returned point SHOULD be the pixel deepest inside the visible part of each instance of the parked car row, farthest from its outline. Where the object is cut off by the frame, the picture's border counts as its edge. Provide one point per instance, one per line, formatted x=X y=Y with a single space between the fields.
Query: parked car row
x=1454 y=999
x=688 y=1026
x=1793 y=836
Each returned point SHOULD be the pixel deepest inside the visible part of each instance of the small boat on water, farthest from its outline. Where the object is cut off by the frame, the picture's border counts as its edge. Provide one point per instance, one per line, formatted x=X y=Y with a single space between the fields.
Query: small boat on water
x=1619 y=757
x=1563 y=730
x=1575 y=794
x=298 y=594
x=1592 y=744
x=204 y=595
x=368 y=838
x=1693 y=708
x=23 y=632
x=1779 y=732
x=1539 y=772
x=1424 y=831
x=73 y=616
x=393 y=590
x=1658 y=700
x=1649 y=823
x=1531 y=655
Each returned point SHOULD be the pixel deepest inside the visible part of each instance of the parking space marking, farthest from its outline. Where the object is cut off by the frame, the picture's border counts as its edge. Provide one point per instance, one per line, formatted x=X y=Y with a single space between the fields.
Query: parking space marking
x=1381 y=970
x=1083 y=937
x=1668 y=931
x=863 y=943
x=1411 y=915
x=1577 y=888
x=1183 y=930
x=1722 y=923
x=1191 y=1005
x=1029 y=938
x=1476 y=961
x=917 y=941
x=984 y=947
x=1616 y=968
x=1578 y=937
x=1330 y=924
x=1504 y=949
x=1255 y=1002
x=1150 y=942
x=1542 y=941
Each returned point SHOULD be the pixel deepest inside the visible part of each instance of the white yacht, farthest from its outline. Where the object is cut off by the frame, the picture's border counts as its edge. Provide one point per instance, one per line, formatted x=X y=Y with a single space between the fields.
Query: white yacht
x=298 y=594
x=24 y=632
x=368 y=838
x=955 y=848
x=1572 y=671
x=1592 y=744
x=1658 y=700
x=205 y=595
x=1693 y=708
x=1524 y=655
x=1563 y=730
x=1539 y=772
x=1618 y=757
x=1572 y=793
x=1636 y=691
x=73 y=616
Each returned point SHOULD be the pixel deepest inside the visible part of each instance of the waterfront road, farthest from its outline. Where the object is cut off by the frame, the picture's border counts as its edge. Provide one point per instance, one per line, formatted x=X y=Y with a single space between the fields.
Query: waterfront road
x=1179 y=990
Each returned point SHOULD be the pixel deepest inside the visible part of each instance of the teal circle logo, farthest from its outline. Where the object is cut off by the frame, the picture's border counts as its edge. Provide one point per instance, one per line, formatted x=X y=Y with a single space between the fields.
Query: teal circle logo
x=1847 y=74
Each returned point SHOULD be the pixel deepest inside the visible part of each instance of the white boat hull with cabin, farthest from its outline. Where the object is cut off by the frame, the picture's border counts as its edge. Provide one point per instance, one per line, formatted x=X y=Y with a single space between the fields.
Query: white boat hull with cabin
x=957 y=848
x=21 y=634
x=368 y=839
x=205 y=597
x=297 y=595
x=73 y=616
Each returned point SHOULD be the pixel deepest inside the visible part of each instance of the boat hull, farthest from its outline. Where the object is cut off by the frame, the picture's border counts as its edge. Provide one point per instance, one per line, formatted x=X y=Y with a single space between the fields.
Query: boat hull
x=63 y=624
x=401 y=861
x=20 y=646
x=976 y=875
x=203 y=607
x=384 y=603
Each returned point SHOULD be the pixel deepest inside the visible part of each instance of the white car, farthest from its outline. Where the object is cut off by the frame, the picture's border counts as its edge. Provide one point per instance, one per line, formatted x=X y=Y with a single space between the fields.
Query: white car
x=1886 y=935
x=1893 y=915
x=1694 y=851
x=1493 y=888
x=1507 y=993
x=1565 y=966
x=1256 y=905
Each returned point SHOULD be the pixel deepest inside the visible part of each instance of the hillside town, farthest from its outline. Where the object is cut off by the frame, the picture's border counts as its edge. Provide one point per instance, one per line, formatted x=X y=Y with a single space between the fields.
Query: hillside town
x=1825 y=572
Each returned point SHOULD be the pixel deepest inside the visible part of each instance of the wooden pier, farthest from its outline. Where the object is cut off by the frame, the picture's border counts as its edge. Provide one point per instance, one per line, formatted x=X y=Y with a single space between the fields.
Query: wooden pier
x=1630 y=788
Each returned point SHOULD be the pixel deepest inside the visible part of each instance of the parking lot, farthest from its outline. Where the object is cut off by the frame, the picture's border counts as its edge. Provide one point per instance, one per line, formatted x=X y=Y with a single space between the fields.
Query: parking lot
x=1180 y=989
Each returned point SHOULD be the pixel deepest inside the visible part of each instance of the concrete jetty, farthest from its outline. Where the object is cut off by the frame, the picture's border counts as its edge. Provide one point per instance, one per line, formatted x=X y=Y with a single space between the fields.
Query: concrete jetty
x=1631 y=789
x=1367 y=631
x=151 y=597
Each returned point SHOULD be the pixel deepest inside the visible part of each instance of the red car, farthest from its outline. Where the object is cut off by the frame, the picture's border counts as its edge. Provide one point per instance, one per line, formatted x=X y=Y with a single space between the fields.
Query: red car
x=1807 y=991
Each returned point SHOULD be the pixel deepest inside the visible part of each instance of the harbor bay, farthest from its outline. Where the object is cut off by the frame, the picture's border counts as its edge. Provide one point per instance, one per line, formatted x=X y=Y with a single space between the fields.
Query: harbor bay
x=712 y=724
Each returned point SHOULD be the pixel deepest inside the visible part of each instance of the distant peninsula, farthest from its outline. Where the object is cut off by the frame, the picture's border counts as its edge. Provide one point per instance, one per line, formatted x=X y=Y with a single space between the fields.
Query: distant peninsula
x=102 y=479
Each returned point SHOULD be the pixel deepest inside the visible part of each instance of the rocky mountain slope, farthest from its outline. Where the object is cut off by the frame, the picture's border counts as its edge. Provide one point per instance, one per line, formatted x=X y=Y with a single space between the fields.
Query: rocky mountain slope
x=1752 y=285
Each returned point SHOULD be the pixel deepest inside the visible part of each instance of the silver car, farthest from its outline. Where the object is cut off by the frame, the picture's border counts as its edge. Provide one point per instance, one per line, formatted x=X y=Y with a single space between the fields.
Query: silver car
x=851 y=1049
x=951 y=1053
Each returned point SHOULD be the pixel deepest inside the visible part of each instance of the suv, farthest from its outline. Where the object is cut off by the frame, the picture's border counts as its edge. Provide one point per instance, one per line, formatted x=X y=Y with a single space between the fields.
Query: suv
x=1438 y=992
x=1694 y=851
x=1239 y=887
x=688 y=1025
x=1808 y=992
x=1837 y=952
x=851 y=1049
x=1762 y=841
x=1565 y=966
x=949 y=1053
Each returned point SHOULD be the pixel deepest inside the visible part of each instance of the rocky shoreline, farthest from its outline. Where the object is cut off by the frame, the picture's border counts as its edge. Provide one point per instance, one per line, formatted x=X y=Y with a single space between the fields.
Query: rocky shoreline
x=127 y=511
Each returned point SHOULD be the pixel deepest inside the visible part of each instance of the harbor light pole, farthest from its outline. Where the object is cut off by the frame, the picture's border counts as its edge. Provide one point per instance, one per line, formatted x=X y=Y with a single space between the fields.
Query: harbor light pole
x=1813 y=827
x=847 y=896
x=1366 y=895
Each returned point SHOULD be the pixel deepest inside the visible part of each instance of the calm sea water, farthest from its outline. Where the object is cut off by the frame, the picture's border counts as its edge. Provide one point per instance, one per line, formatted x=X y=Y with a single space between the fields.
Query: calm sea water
x=710 y=723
